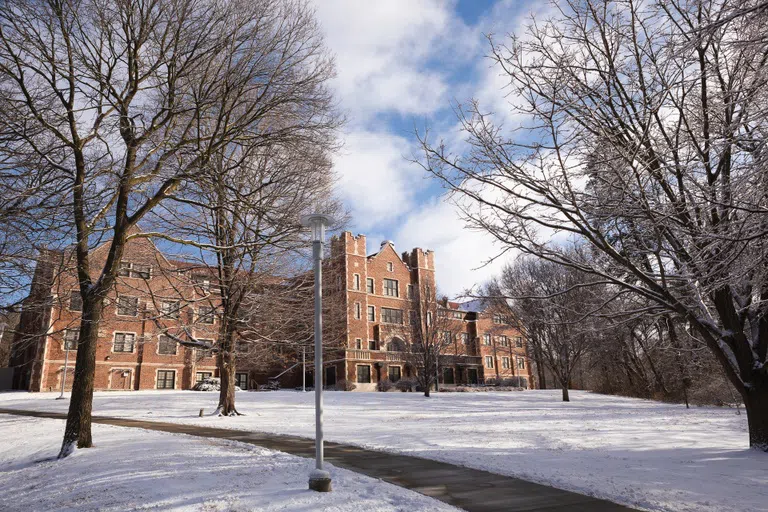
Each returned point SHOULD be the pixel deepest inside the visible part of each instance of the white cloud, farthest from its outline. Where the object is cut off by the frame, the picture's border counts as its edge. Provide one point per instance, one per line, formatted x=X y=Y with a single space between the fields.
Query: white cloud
x=375 y=179
x=461 y=254
x=382 y=51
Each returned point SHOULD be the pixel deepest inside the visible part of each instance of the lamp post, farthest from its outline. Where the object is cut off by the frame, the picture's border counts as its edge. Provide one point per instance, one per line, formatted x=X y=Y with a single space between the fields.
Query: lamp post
x=319 y=479
x=64 y=377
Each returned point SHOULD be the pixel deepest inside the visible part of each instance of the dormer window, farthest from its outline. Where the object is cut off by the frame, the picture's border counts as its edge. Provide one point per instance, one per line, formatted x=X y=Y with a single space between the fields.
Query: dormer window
x=135 y=270
x=390 y=266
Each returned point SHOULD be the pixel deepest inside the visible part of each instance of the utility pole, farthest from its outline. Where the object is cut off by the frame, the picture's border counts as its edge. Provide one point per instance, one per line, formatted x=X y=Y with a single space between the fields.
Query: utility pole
x=304 y=368
x=64 y=377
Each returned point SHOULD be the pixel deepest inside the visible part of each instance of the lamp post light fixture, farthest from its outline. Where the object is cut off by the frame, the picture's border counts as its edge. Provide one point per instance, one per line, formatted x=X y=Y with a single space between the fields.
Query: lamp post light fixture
x=319 y=479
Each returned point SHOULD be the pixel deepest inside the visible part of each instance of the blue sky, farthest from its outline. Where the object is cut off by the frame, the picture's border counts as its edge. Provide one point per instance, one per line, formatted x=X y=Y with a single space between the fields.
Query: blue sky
x=400 y=65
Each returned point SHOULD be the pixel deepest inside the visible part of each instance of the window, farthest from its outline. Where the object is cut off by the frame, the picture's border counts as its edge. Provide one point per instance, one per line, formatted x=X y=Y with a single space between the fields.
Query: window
x=520 y=363
x=202 y=282
x=504 y=341
x=241 y=380
x=448 y=376
x=410 y=293
x=166 y=379
x=358 y=343
x=356 y=282
x=505 y=363
x=136 y=270
x=458 y=315
x=390 y=266
x=124 y=342
x=127 y=306
x=393 y=373
x=486 y=339
x=429 y=318
x=207 y=351
x=371 y=344
x=414 y=315
x=391 y=316
x=75 y=301
x=363 y=374
x=371 y=313
x=465 y=338
x=391 y=288
x=489 y=361
x=358 y=310
x=519 y=341
x=71 y=338
x=369 y=285
x=170 y=308
x=428 y=291
x=201 y=376
x=166 y=345
x=447 y=337
x=205 y=315
x=441 y=313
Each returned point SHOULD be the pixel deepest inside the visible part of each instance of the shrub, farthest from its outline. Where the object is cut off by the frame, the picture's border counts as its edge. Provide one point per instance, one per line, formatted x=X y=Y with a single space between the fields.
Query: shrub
x=405 y=385
x=210 y=384
x=345 y=385
x=384 y=385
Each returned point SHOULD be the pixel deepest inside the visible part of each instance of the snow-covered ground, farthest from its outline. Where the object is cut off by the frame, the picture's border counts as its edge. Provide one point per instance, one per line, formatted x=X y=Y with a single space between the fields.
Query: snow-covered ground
x=637 y=452
x=134 y=469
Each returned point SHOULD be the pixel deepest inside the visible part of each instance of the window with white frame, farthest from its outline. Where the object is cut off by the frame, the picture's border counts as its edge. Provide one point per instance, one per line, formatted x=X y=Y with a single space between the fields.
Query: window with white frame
x=504 y=341
x=369 y=285
x=166 y=345
x=371 y=313
x=124 y=342
x=520 y=363
x=447 y=337
x=498 y=319
x=205 y=315
x=75 y=301
x=486 y=339
x=207 y=350
x=135 y=270
x=358 y=311
x=241 y=380
x=391 y=288
x=489 y=361
x=390 y=266
x=170 y=308
x=202 y=282
x=356 y=281
x=372 y=345
x=391 y=316
x=127 y=305
x=363 y=374
x=505 y=363
x=166 y=379
x=359 y=343
x=201 y=376
x=465 y=338
x=519 y=341
x=458 y=315
x=71 y=339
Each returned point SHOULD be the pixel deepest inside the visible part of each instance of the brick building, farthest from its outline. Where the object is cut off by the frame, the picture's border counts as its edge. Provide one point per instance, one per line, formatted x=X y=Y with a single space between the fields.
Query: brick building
x=156 y=301
x=379 y=295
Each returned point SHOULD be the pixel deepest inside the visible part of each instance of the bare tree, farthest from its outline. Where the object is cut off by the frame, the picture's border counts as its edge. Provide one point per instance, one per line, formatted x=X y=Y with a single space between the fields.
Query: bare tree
x=555 y=306
x=643 y=134
x=119 y=104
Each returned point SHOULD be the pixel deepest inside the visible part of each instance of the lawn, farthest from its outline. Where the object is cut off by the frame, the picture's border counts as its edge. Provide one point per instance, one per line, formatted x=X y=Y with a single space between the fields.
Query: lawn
x=134 y=469
x=637 y=452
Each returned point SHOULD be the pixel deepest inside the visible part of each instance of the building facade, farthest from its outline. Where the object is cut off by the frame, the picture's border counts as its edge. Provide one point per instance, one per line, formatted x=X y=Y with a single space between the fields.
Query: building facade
x=157 y=304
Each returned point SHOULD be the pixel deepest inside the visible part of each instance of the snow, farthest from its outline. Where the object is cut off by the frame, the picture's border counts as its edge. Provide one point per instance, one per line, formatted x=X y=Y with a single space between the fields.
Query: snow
x=637 y=452
x=134 y=469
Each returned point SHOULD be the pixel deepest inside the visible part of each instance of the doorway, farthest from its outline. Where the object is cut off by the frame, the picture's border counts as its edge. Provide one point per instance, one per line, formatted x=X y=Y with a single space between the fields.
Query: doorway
x=330 y=376
x=472 y=376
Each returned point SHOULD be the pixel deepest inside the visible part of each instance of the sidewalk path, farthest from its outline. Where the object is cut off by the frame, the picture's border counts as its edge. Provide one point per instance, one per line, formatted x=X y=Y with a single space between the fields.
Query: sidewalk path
x=470 y=489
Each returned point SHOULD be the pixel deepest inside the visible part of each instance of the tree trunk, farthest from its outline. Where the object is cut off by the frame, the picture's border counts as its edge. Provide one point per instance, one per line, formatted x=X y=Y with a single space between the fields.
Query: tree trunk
x=756 y=404
x=78 y=428
x=566 y=398
x=226 y=362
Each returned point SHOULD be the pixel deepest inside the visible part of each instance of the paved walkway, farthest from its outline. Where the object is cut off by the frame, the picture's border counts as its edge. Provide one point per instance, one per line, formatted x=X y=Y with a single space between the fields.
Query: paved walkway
x=470 y=489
